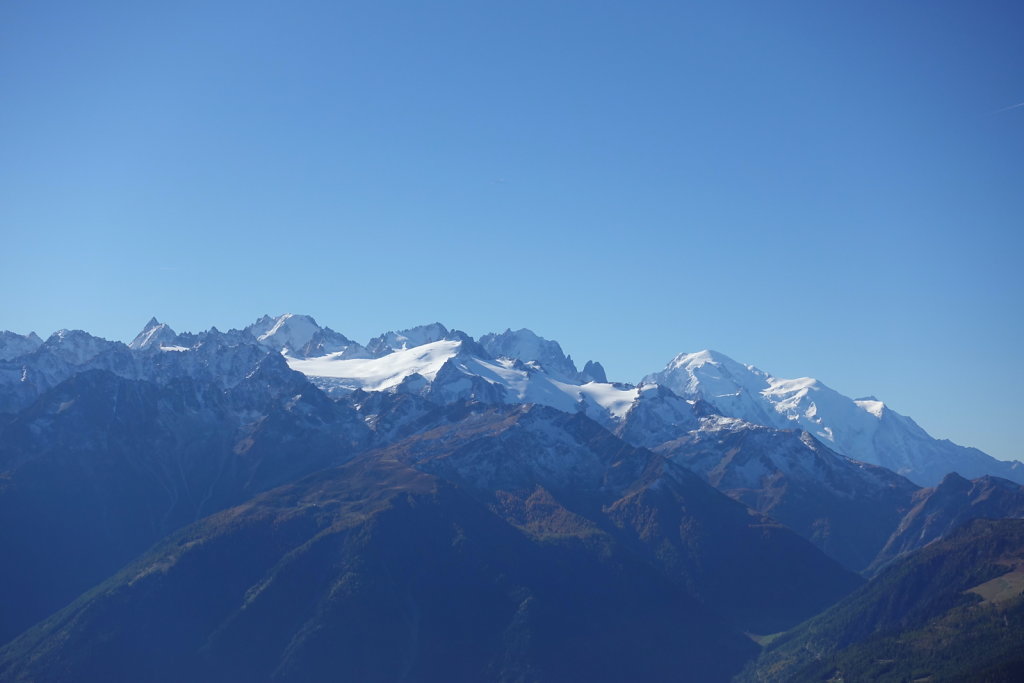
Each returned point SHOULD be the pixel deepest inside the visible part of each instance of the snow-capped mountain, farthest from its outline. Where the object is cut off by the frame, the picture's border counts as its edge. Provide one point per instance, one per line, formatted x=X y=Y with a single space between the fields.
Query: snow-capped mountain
x=154 y=335
x=521 y=367
x=865 y=429
x=497 y=457
x=445 y=366
x=157 y=354
x=299 y=336
x=457 y=369
x=526 y=346
x=63 y=354
x=658 y=415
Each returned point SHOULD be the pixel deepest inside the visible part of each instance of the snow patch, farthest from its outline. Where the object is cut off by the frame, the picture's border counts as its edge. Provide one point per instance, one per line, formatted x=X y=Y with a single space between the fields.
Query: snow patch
x=378 y=374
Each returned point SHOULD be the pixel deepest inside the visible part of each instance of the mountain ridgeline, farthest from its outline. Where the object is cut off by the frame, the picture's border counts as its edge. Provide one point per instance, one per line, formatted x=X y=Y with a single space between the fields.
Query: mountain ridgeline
x=284 y=503
x=953 y=611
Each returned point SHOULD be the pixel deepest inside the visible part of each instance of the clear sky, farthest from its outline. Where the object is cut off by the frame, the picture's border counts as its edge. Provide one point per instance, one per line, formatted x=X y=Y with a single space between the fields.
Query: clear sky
x=818 y=188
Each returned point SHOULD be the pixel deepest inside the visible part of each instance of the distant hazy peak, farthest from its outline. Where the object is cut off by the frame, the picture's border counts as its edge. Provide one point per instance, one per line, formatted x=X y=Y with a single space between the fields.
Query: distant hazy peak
x=66 y=336
x=407 y=339
x=76 y=346
x=13 y=345
x=289 y=327
x=155 y=333
x=300 y=336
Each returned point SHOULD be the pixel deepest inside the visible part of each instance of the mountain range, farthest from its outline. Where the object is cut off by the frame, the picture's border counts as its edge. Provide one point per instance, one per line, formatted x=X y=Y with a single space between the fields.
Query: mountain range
x=517 y=367
x=384 y=509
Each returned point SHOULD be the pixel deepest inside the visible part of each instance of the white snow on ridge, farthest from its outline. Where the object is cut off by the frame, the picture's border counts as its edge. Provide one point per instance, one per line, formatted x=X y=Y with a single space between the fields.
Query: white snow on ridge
x=378 y=374
x=290 y=331
x=749 y=393
x=602 y=401
x=864 y=429
x=874 y=407
x=434 y=363
x=525 y=345
x=155 y=333
x=617 y=401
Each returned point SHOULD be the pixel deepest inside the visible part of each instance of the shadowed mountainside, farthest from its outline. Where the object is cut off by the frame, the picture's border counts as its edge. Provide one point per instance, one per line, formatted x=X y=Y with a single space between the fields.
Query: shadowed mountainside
x=425 y=561
x=953 y=611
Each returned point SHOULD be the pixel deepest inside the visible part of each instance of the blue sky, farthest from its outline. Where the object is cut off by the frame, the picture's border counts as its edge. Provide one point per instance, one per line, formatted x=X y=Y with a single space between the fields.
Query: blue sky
x=825 y=189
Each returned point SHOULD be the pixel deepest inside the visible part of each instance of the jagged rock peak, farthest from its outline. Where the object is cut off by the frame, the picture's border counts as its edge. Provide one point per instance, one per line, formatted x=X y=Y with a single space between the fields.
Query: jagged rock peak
x=300 y=336
x=407 y=339
x=13 y=345
x=468 y=345
x=76 y=346
x=288 y=329
x=155 y=333
x=525 y=345
x=593 y=372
